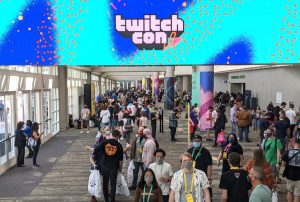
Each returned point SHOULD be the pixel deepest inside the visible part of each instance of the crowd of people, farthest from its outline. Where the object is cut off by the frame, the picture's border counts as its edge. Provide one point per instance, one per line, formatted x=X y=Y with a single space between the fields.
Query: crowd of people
x=119 y=113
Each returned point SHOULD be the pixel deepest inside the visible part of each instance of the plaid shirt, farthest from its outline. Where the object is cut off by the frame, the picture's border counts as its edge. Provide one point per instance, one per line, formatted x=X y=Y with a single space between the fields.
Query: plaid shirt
x=173 y=121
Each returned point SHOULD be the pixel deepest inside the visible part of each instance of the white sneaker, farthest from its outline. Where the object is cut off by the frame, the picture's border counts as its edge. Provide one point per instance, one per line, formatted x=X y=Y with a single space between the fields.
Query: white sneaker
x=81 y=132
x=87 y=132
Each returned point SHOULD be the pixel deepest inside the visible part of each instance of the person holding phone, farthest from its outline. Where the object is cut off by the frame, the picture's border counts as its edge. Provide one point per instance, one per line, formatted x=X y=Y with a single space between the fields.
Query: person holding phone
x=35 y=148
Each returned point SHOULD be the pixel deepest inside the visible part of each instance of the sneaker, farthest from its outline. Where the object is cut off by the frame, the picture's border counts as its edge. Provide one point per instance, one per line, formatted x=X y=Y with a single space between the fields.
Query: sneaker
x=87 y=132
x=34 y=167
x=81 y=132
x=37 y=165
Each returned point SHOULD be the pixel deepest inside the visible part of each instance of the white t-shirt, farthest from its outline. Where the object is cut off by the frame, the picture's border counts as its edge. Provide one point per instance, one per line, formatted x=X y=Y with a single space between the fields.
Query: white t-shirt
x=163 y=170
x=143 y=121
x=132 y=109
x=105 y=114
x=85 y=112
x=291 y=114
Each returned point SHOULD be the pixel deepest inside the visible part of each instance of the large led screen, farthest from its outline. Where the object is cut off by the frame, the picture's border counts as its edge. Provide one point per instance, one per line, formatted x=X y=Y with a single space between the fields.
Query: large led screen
x=149 y=32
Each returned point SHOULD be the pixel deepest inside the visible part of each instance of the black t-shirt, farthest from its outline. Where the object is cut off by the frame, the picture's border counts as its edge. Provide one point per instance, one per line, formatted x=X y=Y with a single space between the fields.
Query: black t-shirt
x=203 y=160
x=152 y=116
x=263 y=125
x=110 y=152
x=234 y=148
x=281 y=127
x=236 y=184
x=293 y=164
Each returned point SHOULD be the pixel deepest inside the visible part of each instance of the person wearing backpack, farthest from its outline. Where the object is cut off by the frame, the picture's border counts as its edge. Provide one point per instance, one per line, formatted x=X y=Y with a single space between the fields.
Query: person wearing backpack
x=127 y=127
x=291 y=162
x=271 y=147
x=28 y=134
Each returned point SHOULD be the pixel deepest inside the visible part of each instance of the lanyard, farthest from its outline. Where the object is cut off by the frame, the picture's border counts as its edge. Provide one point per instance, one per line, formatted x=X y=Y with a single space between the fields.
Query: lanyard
x=149 y=194
x=198 y=154
x=185 y=184
x=162 y=165
x=234 y=168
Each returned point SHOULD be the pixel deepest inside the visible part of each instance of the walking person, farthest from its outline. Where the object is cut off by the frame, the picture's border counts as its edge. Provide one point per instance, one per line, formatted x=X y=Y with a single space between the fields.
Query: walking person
x=231 y=145
x=202 y=158
x=189 y=184
x=272 y=147
x=154 y=116
x=260 y=192
x=37 y=137
x=244 y=120
x=136 y=152
x=127 y=127
x=110 y=154
x=28 y=134
x=233 y=111
x=173 y=124
x=234 y=183
x=194 y=122
x=163 y=172
x=149 y=148
x=259 y=160
x=20 y=143
x=219 y=124
x=148 y=189
x=208 y=124
x=291 y=162
x=256 y=113
x=105 y=117
x=85 y=117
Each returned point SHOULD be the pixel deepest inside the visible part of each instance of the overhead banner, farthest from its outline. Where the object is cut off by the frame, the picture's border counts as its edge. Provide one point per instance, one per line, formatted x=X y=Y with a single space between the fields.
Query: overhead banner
x=149 y=32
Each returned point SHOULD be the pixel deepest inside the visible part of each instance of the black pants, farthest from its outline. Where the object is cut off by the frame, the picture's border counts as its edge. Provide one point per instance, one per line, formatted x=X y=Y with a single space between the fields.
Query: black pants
x=292 y=127
x=137 y=166
x=109 y=176
x=165 y=198
x=30 y=152
x=133 y=119
x=35 y=153
x=217 y=131
x=20 y=156
x=173 y=132
x=153 y=127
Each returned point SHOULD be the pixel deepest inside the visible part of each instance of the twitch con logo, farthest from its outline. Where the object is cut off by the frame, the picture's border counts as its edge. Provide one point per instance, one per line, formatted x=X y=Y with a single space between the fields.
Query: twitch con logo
x=150 y=33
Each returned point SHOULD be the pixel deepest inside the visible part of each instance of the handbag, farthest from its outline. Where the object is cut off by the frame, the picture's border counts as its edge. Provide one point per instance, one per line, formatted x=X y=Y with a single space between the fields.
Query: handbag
x=94 y=185
x=122 y=187
x=31 y=142
x=274 y=196
x=221 y=137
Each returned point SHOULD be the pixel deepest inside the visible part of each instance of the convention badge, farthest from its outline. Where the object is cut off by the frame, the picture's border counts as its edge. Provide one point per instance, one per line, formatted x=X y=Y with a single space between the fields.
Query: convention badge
x=140 y=150
x=224 y=155
x=194 y=164
x=189 y=198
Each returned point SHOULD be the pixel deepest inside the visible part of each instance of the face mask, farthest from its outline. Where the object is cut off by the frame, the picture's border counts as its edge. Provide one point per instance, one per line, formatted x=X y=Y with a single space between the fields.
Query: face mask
x=187 y=165
x=197 y=144
x=159 y=161
x=148 y=179
x=230 y=140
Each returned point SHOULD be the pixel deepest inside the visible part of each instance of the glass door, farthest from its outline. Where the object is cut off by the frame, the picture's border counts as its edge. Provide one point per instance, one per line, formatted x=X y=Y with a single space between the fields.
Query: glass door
x=7 y=127
x=35 y=111
x=46 y=114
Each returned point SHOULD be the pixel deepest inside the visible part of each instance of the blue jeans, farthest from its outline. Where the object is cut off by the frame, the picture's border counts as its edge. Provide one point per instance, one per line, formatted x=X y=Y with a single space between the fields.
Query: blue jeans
x=233 y=127
x=244 y=131
x=35 y=153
